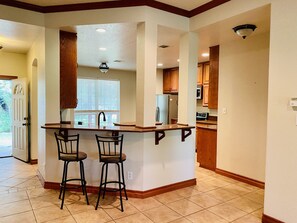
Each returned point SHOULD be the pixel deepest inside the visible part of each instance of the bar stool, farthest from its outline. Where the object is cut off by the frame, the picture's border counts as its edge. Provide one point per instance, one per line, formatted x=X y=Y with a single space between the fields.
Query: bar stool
x=110 y=152
x=68 y=151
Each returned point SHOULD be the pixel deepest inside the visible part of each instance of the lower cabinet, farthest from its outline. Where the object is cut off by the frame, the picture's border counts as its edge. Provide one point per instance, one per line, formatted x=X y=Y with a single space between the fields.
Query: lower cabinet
x=206 y=147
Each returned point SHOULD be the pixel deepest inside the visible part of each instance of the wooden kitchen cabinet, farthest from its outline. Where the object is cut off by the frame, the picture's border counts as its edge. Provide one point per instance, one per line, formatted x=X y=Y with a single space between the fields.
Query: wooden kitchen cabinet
x=68 y=70
x=170 y=80
x=203 y=79
x=205 y=95
x=213 y=77
x=200 y=74
x=206 y=146
x=206 y=73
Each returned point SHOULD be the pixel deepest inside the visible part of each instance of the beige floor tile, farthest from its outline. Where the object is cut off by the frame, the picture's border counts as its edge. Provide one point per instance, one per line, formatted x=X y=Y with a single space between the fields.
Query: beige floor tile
x=162 y=214
x=41 y=192
x=135 y=218
x=44 y=201
x=248 y=219
x=227 y=212
x=115 y=210
x=68 y=219
x=245 y=204
x=12 y=182
x=251 y=187
x=188 y=191
x=15 y=208
x=237 y=189
x=204 y=186
x=222 y=194
x=12 y=197
x=218 y=182
x=205 y=217
x=144 y=204
x=26 y=217
x=258 y=213
x=181 y=220
x=256 y=196
x=96 y=216
x=204 y=200
x=184 y=207
x=168 y=197
x=79 y=206
x=50 y=213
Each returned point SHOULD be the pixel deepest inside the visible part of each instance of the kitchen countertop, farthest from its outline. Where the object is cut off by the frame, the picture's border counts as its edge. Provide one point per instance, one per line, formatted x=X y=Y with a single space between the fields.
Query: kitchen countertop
x=208 y=122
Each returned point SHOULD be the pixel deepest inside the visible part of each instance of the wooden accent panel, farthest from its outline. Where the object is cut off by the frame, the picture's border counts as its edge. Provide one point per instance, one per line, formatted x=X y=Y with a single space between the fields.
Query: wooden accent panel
x=206 y=147
x=34 y=161
x=133 y=193
x=114 y=4
x=7 y=77
x=68 y=70
x=268 y=219
x=240 y=178
x=213 y=77
x=200 y=74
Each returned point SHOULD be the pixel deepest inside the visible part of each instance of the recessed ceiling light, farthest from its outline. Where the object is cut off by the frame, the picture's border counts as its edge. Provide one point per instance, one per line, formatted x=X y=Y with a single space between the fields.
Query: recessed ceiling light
x=178 y=60
x=163 y=46
x=205 y=54
x=101 y=30
x=102 y=48
x=160 y=64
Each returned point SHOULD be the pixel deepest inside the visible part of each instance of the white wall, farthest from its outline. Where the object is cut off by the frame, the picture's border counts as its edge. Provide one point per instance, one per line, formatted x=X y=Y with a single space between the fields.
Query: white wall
x=13 y=64
x=127 y=86
x=243 y=81
x=281 y=163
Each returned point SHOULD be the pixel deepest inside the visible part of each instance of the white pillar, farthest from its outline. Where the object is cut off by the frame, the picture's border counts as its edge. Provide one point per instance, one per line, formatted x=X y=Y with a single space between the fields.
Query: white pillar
x=188 y=55
x=146 y=74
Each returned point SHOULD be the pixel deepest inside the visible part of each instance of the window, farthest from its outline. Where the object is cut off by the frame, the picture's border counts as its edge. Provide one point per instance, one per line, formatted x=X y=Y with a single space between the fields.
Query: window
x=95 y=96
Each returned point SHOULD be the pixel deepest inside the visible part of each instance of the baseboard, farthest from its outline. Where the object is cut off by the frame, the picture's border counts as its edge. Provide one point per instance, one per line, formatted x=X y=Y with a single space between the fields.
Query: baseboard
x=34 y=161
x=133 y=193
x=268 y=219
x=241 y=178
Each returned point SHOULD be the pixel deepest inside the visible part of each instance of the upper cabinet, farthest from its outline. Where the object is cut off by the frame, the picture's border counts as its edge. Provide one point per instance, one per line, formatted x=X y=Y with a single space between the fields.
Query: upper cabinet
x=213 y=77
x=68 y=70
x=170 y=80
x=203 y=79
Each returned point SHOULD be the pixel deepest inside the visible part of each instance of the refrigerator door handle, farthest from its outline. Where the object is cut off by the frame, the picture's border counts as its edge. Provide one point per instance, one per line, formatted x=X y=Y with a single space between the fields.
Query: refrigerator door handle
x=157 y=113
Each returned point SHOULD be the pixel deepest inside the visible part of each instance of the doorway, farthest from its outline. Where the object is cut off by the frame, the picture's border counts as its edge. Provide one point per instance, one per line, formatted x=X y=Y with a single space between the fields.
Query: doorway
x=5 y=119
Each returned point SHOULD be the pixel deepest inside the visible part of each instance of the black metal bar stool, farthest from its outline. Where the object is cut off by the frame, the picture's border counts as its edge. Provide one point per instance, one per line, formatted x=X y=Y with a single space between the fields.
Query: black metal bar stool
x=110 y=152
x=68 y=151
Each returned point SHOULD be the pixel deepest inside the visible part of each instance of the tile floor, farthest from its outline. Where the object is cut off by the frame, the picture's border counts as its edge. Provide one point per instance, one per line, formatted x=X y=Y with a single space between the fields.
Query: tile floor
x=215 y=199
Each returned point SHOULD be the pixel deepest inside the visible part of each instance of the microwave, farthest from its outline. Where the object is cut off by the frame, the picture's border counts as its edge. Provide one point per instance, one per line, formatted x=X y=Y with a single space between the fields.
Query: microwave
x=199 y=92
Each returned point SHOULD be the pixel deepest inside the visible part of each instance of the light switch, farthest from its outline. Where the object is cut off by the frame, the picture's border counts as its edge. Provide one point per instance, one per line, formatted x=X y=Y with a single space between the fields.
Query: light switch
x=224 y=110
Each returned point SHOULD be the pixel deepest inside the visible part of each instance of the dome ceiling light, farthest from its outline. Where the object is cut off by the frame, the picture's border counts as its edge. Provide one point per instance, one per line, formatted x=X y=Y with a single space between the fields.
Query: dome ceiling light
x=244 y=30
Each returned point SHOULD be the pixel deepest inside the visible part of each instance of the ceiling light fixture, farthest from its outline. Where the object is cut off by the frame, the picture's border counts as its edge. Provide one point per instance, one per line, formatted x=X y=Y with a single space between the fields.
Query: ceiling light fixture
x=160 y=64
x=103 y=67
x=244 y=30
x=101 y=30
x=102 y=48
x=205 y=54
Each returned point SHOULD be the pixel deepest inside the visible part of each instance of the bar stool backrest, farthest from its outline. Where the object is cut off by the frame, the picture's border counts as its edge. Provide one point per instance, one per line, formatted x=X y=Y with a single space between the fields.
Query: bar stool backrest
x=110 y=148
x=67 y=146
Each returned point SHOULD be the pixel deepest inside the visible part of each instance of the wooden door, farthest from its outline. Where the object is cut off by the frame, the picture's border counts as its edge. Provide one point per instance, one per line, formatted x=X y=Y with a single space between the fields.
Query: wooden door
x=205 y=73
x=20 y=119
x=174 y=80
x=205 y=95
x=199 y=74
x=166 y=81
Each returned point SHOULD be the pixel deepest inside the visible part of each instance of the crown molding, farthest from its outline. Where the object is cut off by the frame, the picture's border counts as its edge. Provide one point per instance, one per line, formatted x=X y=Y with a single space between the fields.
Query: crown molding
x=114 y=4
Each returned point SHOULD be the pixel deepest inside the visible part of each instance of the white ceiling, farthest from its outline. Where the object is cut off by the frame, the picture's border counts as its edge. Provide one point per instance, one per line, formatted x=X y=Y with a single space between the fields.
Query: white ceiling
x=120 y=39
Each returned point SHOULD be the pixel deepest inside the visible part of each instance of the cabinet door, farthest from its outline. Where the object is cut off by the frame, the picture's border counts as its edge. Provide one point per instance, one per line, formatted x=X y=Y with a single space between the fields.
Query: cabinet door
x=205 y=95
x=174 y=80
x=207 y=148
x=166 y=81
x=213 y=77
x=199 y=74
x=205 y=73
x=68 y=70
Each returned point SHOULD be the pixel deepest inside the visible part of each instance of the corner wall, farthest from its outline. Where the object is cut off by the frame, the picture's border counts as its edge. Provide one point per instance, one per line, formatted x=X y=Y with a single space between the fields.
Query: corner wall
x=13 y=64
x=243 y=91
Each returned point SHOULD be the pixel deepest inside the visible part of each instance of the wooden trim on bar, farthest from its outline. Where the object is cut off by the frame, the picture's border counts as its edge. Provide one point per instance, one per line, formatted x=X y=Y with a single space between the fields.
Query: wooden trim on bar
x=268 y=219
x=7 y=77
x=34 y=161
x=241 y=178
x=131 y=193
x=114 y=4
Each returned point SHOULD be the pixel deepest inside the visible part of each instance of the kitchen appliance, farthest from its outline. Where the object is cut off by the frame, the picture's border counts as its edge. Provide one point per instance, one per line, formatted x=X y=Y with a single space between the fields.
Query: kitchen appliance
x=201 y=116
x=199 y=92
x=166 y=108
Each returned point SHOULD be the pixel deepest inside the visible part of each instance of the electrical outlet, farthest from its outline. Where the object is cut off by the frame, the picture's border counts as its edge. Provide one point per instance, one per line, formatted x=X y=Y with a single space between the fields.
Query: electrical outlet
x=130 y=175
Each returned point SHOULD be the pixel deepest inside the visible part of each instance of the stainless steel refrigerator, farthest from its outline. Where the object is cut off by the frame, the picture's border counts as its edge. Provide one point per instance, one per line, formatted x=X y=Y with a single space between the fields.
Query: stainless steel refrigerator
x=166 y=108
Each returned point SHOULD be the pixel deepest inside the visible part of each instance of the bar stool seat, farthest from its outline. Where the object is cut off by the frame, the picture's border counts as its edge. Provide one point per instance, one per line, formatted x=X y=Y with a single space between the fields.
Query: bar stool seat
x=110 y=152
x=68 y=151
